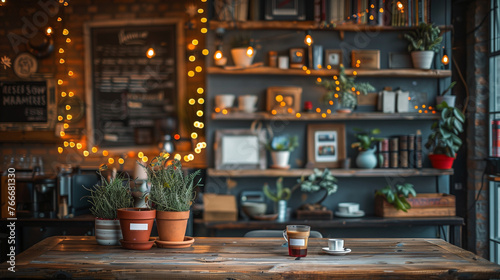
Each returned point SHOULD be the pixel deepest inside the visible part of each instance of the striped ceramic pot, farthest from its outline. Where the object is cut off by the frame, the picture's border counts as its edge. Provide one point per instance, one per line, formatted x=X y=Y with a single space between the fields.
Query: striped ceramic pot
x=108 y=232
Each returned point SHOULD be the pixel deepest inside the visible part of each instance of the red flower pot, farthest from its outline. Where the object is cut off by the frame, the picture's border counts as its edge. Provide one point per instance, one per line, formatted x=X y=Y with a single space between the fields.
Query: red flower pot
x=171 y=225
x=136 y=223
x=440 y=161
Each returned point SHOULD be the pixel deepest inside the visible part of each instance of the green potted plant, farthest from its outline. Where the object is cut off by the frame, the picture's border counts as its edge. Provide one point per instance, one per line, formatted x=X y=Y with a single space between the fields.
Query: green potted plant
x=449 y=99
x=280 y=148
x=425 y=40
x=366 y=147
x=242 y=50
x=105 y=199
x=444 y=140
x=280 y=197
x=172 y=194
x=397 y=195
x=317 y=181
x=344 y=89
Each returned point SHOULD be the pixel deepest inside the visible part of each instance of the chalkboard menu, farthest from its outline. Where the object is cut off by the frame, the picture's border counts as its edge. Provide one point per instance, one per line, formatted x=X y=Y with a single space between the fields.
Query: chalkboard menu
x=24 y=101
x=134 y=96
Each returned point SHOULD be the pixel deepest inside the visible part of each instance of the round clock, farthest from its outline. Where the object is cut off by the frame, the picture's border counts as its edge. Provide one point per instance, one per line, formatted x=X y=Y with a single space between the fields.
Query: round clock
x=25 y=65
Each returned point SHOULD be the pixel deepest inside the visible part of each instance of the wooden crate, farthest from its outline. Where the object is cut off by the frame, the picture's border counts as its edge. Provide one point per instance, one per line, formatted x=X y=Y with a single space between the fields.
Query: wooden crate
x=314 y=215
x=423 y=205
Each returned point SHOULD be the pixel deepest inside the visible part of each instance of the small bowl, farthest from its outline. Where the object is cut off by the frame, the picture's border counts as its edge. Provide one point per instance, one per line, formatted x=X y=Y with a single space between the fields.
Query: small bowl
x=254 y=209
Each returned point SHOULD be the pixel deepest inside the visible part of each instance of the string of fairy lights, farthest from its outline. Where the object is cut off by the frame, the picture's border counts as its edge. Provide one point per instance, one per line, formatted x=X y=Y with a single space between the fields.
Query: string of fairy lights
x=66 y=93
x=308 y=41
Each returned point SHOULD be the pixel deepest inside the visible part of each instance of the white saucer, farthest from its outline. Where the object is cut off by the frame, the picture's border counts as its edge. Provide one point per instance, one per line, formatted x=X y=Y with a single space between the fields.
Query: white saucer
x=356 y=214
x=331 y=252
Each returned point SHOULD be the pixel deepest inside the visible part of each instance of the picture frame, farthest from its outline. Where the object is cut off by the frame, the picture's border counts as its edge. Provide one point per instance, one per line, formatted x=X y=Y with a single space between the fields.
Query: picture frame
x=365 y=59
x=333 y=58
x=297 y=57
x=240 y=149
x=325 y=145
x=283 y=100
x=285 y=10
x=400 y=60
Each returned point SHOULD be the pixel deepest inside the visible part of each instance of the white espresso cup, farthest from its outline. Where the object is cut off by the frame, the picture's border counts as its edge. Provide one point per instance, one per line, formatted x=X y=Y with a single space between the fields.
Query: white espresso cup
x=247 y=103
x=224 y=101
x=336 y=244
x=348 y=207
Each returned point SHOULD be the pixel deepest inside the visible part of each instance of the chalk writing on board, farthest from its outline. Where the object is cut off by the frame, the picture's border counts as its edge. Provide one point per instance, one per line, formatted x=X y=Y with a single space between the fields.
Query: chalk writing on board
x=23 y=101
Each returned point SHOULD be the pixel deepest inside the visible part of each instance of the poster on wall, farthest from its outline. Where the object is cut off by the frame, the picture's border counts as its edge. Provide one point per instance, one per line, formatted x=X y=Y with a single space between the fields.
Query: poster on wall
x=134 y=81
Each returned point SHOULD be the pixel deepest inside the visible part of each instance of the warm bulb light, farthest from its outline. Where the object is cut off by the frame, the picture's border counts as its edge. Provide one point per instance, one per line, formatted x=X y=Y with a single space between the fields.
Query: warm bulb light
x=94 y=150
x=308 y=40
x=445 y=60
x=250 y=51
x=218 y=55
x=65 y=31
x=60 y=150
x=150 y=53
x=49 y=31
x=85 y=153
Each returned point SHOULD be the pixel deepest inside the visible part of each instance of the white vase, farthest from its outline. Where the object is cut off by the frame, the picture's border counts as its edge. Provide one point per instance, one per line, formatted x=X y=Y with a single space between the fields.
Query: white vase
x=240 y=57
x=449 y=99
x=280 y=158
x=108 y=232
x=422 y=59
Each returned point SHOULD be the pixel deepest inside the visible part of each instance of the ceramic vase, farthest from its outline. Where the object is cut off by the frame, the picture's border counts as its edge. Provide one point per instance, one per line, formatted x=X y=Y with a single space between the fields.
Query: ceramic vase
x=422 y=59
x=366 y=159
x=136 y=223
x=280 y=159
x=108 y=232
x=240 y=57
x=172 y=225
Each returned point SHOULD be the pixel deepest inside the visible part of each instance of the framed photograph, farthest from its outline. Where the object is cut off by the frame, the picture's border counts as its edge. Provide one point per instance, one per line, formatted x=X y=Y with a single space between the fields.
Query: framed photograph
x=325 y=145
x=285 y=10
x=283 y=100
x=297 y=57
x=333 y=58
x=366 y=59
x=240 y=149
x=400 y=60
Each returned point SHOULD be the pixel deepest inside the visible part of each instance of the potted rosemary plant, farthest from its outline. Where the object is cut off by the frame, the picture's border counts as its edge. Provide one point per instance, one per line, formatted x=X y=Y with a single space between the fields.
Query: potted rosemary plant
x=172 y=194
x=424 y=42
x=106 y=198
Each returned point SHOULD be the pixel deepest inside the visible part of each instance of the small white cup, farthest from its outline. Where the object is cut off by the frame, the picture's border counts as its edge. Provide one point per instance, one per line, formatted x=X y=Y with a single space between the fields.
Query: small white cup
x=224 y=101
x=336 y=244
x=247 y=103
x=348 y=207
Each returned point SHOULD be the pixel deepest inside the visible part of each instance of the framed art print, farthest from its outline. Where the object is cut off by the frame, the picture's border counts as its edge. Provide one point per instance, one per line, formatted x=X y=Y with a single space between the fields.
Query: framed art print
x=240 y=149
x=283 y=100
x=333 y=58
x=325 y=145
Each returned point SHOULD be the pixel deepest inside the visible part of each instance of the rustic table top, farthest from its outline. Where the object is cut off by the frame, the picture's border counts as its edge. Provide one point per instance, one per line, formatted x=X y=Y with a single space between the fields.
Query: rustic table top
x=251 y=258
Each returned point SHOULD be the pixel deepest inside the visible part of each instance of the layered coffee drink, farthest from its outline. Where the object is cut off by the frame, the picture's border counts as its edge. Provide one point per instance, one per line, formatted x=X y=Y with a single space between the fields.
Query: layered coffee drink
x=297 y=237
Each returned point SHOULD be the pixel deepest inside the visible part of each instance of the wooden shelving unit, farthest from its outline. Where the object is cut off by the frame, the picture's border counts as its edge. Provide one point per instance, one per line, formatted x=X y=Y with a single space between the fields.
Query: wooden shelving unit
x=396 y=73
x=400 y=172
x=376 y=116
x=308 y=25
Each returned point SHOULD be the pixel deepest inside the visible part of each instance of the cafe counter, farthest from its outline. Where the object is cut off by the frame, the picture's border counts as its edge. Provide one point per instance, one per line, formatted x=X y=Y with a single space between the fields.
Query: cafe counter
x=251 y=258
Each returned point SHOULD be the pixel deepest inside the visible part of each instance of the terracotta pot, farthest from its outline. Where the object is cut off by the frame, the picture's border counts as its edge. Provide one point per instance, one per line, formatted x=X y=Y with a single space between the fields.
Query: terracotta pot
x=108 y=232
x=440 y=161
x=172 y=225
x=136 y=223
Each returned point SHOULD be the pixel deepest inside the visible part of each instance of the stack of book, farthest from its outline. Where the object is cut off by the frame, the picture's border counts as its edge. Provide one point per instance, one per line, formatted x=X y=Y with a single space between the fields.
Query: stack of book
x=375 y=12
x=402 y=151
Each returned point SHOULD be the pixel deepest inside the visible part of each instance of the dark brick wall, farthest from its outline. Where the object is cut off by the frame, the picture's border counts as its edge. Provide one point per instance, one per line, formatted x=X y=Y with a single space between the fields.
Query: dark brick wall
x=477 y=125
x=15 y=13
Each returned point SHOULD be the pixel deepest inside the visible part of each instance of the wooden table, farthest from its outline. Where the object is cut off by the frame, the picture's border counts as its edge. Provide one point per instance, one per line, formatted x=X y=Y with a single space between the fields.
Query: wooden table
x=251 y=258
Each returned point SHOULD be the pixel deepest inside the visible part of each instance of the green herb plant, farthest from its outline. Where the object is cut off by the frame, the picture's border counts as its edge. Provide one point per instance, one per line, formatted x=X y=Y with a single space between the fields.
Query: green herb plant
x=444 y=138
x=425 y=38
x=283 y=143
x=397 y=195
x=341 y=88
x=281 y=193
x=171 y=190
x=366 y=139
x=108 y=196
